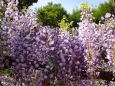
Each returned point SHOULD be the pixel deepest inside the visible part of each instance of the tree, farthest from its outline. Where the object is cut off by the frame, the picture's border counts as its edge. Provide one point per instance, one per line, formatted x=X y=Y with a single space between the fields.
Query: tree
x=24 y=3
x=75 y=17
x=106 y=7
x=51 y=14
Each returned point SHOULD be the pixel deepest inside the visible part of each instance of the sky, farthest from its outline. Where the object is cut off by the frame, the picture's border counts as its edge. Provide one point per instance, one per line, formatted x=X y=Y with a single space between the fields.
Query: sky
x=68 y=5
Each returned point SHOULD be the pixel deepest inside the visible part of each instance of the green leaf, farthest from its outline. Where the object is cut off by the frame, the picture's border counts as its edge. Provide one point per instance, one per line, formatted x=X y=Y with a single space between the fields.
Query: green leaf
x=4 y=52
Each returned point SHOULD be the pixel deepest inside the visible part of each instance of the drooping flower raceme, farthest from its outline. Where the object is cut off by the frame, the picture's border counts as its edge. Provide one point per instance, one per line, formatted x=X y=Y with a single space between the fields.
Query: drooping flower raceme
x=51 y=54
x=41 y=55
x=98 y=41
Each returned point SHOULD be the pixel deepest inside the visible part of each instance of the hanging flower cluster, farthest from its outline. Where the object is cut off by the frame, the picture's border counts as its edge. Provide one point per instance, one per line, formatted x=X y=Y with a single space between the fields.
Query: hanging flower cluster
x=48 y=57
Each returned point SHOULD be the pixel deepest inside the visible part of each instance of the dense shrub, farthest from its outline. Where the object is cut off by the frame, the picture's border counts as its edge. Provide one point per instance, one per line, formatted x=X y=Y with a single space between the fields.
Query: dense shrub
x=51 y=14
x=42 y=56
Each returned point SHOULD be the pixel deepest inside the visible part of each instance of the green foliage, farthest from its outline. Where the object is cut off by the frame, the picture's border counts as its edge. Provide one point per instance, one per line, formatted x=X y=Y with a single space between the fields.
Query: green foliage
x=102 y=9
x=65 y=25
x=7 y=71
x=85 y=6
x=33 y=85
x=26 y=3
x=4 y=52
x=75 y=17
x=2 y=11
x=51 y=14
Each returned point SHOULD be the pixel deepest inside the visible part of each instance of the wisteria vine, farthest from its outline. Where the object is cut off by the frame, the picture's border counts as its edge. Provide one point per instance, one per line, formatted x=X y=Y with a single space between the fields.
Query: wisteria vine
x=47 y=57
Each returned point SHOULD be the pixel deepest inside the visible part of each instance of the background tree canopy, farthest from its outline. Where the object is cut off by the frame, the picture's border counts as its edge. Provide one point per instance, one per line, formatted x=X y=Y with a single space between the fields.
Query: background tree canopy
x=103 y=8
x=24 y=3
x=75 y=17
x=51 y=14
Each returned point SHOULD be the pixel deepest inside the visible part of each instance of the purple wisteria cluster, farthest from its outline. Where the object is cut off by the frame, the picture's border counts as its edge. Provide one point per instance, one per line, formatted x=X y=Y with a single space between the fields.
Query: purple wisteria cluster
x=56 y=54
x=40 y=53
x=42 y=56
x=98 y=41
